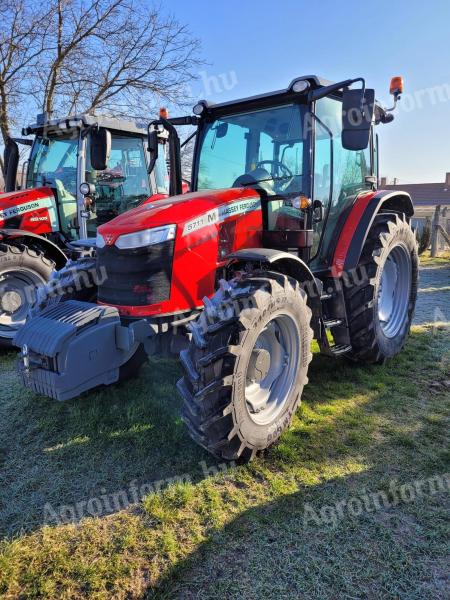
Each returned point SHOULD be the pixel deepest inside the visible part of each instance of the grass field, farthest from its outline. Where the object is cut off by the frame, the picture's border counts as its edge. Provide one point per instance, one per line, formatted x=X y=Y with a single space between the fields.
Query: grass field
x=289 y=525
x=443 y=259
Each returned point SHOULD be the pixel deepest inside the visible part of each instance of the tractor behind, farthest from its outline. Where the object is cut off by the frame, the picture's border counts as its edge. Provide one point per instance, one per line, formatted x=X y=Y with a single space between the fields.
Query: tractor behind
x=285 y=238
x=42 y=223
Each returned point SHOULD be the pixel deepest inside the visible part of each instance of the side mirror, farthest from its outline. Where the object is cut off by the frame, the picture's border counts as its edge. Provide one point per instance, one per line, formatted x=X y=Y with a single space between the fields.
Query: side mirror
x=100 y=142
x=221 y=130
x=357 y=113
x=11 y=163
x=153 y=148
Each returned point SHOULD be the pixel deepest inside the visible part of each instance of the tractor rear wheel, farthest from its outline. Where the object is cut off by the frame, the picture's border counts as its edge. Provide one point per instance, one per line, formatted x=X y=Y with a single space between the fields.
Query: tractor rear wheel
x=22 y=271
x=246 y=365
x=380 y=305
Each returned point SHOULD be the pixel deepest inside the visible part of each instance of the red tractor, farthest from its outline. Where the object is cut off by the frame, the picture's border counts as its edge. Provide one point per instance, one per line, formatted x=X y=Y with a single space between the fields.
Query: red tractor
x=285 y=238
x=41 y=224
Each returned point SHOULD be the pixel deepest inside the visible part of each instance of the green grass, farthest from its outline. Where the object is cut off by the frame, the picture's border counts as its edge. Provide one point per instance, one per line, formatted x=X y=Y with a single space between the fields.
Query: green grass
x=443 y=259
x=216 y=531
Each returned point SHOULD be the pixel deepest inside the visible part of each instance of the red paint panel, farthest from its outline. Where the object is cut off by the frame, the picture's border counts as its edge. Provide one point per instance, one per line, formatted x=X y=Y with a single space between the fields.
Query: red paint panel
x=32 y=205
x=348 y=231
x=205 y=221
x=37 y=221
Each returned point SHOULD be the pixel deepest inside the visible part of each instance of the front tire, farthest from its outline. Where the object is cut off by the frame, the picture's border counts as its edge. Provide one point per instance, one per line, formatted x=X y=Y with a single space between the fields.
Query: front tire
x=22 y=271
x=380 y=305
x=246 y=365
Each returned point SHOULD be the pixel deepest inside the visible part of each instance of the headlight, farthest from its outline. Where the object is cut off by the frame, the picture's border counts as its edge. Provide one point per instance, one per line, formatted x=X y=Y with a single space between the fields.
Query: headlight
x=99 y=241
x=147 y=237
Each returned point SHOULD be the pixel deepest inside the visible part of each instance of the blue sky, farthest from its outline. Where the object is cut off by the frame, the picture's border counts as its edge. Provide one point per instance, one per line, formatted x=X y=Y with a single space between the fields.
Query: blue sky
x=262 y=45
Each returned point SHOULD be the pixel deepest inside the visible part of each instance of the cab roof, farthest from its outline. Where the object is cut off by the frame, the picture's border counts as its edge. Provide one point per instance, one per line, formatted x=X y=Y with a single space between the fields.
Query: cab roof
x=84 y=120
x=283 y=94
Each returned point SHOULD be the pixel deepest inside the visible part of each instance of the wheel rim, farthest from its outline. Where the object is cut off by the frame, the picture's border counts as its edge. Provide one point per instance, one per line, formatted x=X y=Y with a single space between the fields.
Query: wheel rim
x=394 y=291
x=17 y=295
x=272 y=369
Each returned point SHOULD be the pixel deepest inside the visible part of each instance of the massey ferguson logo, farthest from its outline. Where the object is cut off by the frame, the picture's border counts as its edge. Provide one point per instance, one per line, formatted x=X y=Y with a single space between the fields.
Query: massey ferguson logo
x=109 y=239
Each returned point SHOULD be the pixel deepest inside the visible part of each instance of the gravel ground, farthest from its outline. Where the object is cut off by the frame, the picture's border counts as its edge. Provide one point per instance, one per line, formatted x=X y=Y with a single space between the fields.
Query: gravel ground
x=433 y=302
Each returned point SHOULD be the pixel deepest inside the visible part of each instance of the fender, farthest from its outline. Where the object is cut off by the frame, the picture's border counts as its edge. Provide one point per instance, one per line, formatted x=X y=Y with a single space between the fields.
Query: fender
x=50 y=249
x=283 y=262
x=359 y=221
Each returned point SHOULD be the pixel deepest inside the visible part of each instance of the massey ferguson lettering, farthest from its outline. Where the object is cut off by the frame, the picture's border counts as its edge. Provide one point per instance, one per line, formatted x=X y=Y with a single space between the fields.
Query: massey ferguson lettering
x=220 y=214
x=15 y=211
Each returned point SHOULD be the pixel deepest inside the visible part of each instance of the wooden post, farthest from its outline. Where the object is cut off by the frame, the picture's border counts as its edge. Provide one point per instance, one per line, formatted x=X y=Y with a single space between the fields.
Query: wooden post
x=435 y=231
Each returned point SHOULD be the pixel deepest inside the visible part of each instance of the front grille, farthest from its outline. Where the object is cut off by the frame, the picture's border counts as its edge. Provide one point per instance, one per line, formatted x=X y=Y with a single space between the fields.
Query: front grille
x=135 y=277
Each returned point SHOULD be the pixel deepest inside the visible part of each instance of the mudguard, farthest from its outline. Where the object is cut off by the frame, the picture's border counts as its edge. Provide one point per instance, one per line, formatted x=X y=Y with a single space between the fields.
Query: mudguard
x=50 y=249
x=358 y=222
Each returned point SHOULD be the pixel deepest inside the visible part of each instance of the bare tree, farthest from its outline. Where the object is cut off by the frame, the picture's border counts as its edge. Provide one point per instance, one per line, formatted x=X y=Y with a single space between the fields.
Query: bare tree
x=78 y=55
x=117 y=55
x=22 y=41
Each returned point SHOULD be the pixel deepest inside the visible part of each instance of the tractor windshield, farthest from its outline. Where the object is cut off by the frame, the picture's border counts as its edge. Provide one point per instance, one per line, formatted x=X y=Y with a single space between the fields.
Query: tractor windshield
x=53 y=162
x=124 y=184
x=262 y=149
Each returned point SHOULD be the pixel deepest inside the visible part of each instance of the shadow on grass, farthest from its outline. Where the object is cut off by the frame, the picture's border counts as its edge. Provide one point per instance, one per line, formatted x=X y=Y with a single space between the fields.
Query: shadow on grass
x=64 y=453
x=287 y=549
x=391 y=424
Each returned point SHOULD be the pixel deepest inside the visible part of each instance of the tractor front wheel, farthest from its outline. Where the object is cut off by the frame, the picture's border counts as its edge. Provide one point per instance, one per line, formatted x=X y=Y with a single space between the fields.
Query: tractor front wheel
x=246 y=365
x=381 y=294
x=22 y=271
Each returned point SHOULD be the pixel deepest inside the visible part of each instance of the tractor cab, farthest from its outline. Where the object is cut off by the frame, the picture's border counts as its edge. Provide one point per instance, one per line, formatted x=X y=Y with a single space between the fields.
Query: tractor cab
x=106 y=153
x=308 y=151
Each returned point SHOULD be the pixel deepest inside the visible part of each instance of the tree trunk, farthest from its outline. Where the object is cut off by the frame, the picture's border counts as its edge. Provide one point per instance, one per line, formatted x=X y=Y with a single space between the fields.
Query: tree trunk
x=4 y=122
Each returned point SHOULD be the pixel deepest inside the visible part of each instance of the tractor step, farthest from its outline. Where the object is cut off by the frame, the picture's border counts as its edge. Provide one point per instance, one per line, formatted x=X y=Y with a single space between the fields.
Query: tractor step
x=340 y=349
x=326 y=296
x=329 y=323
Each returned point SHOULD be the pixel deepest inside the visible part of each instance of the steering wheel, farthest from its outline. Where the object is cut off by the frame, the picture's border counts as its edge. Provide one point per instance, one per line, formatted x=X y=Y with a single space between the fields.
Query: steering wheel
x=286 y=173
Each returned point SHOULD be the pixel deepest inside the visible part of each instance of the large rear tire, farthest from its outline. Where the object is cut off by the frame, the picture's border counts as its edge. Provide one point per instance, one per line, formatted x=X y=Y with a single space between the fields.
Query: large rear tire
x=246 y=365
x=22 y=271
x=380 y=304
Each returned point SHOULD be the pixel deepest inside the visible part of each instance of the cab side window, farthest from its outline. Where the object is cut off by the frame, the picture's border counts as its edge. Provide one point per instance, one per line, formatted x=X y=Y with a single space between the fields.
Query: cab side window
x=349 y=170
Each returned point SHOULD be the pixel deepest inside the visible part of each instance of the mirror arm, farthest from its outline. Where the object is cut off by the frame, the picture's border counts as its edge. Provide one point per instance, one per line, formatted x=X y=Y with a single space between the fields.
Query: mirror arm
x=321 y=92
x=397 y=97
x=188 y=139
x=85 y=132
x=176 y=187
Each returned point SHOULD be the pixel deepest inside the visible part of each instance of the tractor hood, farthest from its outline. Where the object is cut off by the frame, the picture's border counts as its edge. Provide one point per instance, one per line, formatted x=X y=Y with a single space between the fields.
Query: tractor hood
x=189 y=212
x=17 y=204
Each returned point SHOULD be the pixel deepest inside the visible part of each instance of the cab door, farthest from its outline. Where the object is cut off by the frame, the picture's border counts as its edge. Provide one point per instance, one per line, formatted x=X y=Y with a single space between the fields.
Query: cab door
x=339 y=176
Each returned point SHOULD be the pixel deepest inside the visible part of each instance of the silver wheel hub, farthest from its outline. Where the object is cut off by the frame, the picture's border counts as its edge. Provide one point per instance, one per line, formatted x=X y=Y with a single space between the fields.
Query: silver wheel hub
x=259 y=365
x=272 y=369
x=394 y=291
x=17 y=294
x=11 y=302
